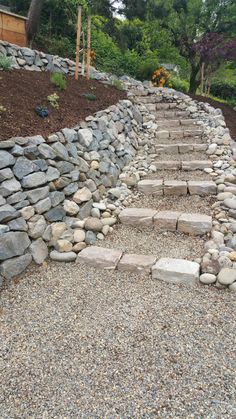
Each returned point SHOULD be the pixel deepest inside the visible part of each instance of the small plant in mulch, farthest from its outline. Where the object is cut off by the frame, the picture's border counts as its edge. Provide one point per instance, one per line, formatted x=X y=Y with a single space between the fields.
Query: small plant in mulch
x=5 y=63
x=53 y=99
x=90 y=96
x=58 y=80
x=118 y=84
x=2 y=109
x=42 y=111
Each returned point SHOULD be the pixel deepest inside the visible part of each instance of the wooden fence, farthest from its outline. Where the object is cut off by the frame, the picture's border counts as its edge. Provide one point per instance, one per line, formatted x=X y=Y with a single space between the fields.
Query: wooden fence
x=13 y=28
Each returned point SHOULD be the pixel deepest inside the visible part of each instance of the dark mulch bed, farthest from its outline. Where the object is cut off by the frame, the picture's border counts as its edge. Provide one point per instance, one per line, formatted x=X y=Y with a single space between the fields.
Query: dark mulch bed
x=21 y=91
x=228 y=112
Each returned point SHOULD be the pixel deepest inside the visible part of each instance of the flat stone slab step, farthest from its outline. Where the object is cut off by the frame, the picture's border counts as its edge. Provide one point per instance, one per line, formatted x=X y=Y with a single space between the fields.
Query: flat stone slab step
x=165 y=123
x=169 y=270
x=192 y=224
x=170 y=114
x=183 y=165
x=180 y=148
x=176 y=271
x=178 y=133
x=161 y=187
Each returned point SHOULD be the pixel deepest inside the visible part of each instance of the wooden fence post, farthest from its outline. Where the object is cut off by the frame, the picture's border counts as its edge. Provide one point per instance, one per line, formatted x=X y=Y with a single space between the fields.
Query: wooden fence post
x=78 y=42
x=88 y=47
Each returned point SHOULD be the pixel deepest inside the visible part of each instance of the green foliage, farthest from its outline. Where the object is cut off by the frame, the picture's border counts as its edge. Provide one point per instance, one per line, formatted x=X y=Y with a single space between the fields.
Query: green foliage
x=118 y=84
x=179 y=84
x=90 y=96
x=53 y=99
x=5 y=63
x=58 y=80
x=224 y=89
x=108 y=55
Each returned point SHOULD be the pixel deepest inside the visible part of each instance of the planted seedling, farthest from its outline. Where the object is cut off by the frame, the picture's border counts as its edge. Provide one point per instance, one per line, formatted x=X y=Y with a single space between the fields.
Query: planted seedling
x=54 y=100
x=58 y=80
x=5 y=63
x=2 y=109
x=42 y=111
x=90 y=96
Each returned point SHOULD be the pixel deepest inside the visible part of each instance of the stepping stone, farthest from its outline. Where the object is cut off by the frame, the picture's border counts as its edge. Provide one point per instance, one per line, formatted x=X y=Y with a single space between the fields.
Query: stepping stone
x=192 y=132
x=187 y=122
x=137 y=216
x=186 y=148
x=162 y=106
x=151 y=187
x=175 y=187
x=194 y=224
x=167 y=148
x=99 y=257
x=176 y=134
x=166 y=220
x=168 y=123
x=168 y=165
x=202 y=188
x=162 y=135
x=136 y=263
x=197 y=165
x=176 y=271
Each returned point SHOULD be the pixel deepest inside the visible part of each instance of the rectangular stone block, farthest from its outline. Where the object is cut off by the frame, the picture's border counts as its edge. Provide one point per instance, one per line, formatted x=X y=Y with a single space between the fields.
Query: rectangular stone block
x=175 y=187
x=151 y=106
x=185 y=148
x=137 y=216
x=166 y=220
x=168 y=165
x=194 y=224
x=197 y=165
x=200 y=147
x=187 y=122
x=182 y=114
x=202 y=188
x=162 y=106
x=99 y=257
x=151 y=187
x=162 y=135
x=192 y=132
x=176 y=271
x=174 y=134
x=167 y=148
x=136 y=263
x=169 y=114
x=168 y=123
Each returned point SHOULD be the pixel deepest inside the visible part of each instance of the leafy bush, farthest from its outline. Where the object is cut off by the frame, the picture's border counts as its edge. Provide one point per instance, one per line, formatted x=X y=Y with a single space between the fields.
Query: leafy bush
x=42 y=111
x=58 y=80
x=118 y=84
x=179 y=84
x=161 y=78
x=58 y=46
x=224 y=89
x=53 y=100
x=5 y=63
x=108 y=55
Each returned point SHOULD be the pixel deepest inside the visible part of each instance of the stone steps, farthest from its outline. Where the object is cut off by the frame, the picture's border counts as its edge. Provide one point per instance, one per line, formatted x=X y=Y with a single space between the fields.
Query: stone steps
x=163 y=187
x=178 y=133
x=171 y=114
x=164 y=269
x=183 y=123
x=192 y=224
x=183 y=164
x=180 y=148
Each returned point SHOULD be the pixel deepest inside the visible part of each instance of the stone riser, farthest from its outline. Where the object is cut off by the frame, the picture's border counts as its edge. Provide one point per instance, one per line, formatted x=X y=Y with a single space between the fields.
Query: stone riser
x=183 y=165
x=176 y=187
x=186 y=123
x=192 y=224
x=180 y=148
x=178 y=133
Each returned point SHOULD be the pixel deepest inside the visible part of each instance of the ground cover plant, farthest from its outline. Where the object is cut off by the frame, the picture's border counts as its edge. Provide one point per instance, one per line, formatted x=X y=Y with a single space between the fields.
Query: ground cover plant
x=16 y=88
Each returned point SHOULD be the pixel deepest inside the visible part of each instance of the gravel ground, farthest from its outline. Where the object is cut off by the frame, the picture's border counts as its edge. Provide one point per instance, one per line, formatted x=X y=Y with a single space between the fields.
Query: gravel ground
x=194 y=203
x=148 y=241
x=78 y=343
x=179 y=175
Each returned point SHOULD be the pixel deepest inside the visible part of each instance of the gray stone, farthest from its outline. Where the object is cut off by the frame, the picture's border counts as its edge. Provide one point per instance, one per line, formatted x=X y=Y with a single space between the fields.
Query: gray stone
x=65 y=167
x=52 y=174
x=60 y=151
x=70 y=134
x=18 y=225
x=208 y=279
x=13 y=244
x=33 y=180
x=6 y=159
x=82 y=195
x=71 y=189
x=63 y=257
x=8 y=187
x=46 y=152
x=85 y=137
x=13 y=267
x=93 y=224
x=100 y=257
x=37 y=194
x=55 y=214
x=7 y=213
x=24 y=167
x=16 y=197
x=230 y=203
x=90 y=238
x=176 y=271
x=85 y=209
x=43 y=205
x=37 y=225
x=227 y=276
x=137 y=216
x=5 y=174
x=56 y=198
x=39 y=251
x=4 y=229
x=81 y=163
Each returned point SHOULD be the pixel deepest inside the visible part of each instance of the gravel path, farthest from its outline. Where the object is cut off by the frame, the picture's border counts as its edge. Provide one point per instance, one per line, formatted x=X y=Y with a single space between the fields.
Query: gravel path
x=190 y=203
x=78 y=343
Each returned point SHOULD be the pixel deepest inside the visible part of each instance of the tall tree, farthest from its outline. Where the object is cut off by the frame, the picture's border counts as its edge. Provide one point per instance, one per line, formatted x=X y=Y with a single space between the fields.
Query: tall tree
x=33 y=18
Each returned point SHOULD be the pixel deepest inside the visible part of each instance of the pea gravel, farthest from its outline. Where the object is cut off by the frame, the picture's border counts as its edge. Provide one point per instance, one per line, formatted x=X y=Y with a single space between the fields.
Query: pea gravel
x=81 y=343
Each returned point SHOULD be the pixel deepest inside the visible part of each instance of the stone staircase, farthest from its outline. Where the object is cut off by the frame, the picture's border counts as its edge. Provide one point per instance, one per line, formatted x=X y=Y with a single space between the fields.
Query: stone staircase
x=178 y=146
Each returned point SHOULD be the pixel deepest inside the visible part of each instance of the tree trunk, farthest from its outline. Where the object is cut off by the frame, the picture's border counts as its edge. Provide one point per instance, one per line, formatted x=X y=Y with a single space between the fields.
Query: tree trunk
x=194 y=82
x=33 y=18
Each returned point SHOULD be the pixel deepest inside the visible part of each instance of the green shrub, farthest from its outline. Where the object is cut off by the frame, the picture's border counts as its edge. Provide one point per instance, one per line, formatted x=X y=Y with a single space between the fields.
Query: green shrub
x=53 y=99
x=108 y=55
x=118 y=84
x=179 y=85
x=5 y=63
x=224 y=89
x=58 y=80
x=59 y=46
x=90 y=96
